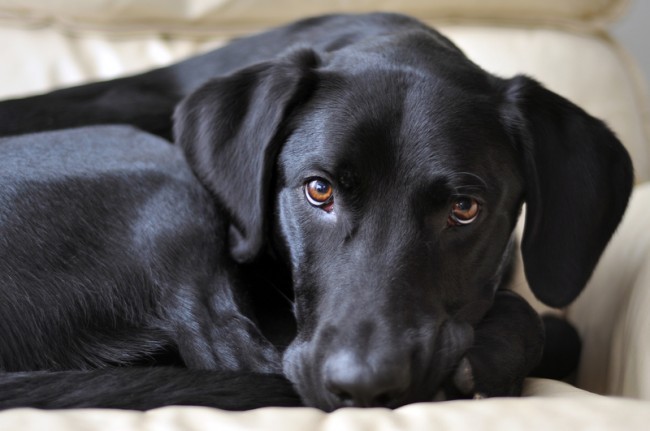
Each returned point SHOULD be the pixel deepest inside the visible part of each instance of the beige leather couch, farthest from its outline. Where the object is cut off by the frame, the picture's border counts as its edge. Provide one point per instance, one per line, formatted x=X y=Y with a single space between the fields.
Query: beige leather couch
x=563 y=43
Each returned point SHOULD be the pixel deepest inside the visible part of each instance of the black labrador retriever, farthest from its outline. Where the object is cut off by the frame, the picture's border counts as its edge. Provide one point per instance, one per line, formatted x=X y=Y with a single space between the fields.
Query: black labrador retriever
x=362 y=166
x=112 y=253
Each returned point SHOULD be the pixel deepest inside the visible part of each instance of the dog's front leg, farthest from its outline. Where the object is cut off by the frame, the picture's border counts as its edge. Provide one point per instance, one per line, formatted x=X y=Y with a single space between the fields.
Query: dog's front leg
x=508 y=345
x=213 y=333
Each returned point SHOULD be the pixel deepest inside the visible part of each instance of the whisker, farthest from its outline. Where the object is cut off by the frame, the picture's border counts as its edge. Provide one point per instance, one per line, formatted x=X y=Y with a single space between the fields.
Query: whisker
x=282 y=294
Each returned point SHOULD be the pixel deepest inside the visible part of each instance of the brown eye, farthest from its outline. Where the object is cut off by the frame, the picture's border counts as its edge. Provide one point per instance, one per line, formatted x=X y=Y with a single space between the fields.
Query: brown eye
x=320 y=193
x=464 y=211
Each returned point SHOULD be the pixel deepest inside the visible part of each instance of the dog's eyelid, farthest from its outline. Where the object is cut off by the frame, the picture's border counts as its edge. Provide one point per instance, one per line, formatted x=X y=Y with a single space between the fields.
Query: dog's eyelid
x=478 y=197
x=316 y=172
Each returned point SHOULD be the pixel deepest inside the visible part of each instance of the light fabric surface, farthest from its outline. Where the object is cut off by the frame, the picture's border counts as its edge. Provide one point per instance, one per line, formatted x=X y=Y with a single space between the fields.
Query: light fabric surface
x=40 y=59
x=561 y=408
x=613 y=313
x=204 y=15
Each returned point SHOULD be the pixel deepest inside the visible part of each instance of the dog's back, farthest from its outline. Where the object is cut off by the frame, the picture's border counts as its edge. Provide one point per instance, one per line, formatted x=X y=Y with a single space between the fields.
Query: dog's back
x=92 y=222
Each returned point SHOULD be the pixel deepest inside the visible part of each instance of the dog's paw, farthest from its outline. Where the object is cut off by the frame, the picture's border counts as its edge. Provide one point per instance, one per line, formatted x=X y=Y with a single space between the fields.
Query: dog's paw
x=507 y=345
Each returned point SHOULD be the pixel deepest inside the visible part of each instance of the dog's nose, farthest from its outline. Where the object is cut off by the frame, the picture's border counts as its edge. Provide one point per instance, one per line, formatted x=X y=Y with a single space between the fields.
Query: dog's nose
x=357 y=383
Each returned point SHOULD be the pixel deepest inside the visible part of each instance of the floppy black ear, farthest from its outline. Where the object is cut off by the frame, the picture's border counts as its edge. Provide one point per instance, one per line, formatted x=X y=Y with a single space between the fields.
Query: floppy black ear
x=230 y=130
x=578 y=181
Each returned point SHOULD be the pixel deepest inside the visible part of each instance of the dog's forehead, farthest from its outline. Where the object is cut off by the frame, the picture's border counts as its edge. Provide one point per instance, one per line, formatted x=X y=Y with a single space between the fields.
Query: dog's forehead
x=397 y=122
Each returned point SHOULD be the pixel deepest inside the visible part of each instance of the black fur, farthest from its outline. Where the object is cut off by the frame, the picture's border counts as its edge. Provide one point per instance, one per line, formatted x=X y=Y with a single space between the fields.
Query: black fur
x=112 y=252
x=392 y=300
x=146 y=388
x=562 y=350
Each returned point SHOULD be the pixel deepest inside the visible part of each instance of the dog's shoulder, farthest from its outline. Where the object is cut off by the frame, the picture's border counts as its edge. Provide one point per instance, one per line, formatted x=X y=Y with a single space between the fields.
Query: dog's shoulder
x=101 y=177
x=85 y=151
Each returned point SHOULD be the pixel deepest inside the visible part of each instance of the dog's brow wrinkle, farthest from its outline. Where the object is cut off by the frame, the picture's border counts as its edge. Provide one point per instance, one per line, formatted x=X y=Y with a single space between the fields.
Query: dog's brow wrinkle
x=475 y=176
x=464 y=182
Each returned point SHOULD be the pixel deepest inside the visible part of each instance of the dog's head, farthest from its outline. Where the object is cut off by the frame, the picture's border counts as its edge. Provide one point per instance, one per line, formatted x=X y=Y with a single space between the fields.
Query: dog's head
x=390 y=176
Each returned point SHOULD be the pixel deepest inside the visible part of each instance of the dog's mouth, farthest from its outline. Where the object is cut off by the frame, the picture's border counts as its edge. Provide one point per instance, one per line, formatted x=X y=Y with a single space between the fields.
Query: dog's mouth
x=329 y=377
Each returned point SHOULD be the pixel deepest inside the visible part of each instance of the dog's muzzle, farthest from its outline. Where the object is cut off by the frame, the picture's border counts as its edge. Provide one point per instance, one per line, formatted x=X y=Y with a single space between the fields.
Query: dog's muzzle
x=372 y=366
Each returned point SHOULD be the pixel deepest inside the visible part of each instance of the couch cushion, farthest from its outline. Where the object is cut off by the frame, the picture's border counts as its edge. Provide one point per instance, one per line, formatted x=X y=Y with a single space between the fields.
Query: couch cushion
x=189 y=15
x=553 y=406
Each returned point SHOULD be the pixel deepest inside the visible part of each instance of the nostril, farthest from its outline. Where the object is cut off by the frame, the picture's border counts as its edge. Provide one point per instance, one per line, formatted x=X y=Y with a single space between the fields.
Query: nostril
x=362 y=399
x=354 y=383
x=363 y=395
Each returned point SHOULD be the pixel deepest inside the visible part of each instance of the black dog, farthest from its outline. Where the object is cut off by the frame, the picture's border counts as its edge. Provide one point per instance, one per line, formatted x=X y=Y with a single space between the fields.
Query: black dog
x=371 y=160
x=109 y=251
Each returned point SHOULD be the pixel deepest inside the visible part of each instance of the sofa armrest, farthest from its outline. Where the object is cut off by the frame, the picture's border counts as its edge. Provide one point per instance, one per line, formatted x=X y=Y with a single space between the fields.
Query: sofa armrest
x=613 y=313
